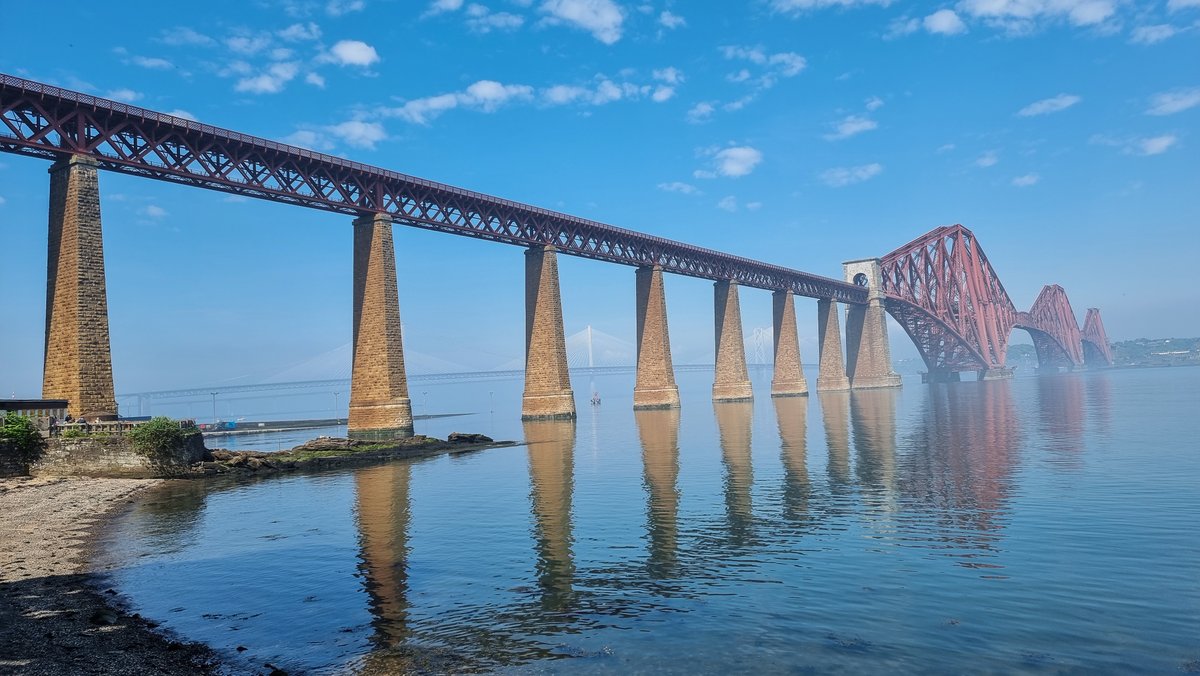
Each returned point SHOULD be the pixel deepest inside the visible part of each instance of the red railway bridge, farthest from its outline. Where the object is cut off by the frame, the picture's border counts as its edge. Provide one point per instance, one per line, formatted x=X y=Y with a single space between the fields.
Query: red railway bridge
x=940 y=287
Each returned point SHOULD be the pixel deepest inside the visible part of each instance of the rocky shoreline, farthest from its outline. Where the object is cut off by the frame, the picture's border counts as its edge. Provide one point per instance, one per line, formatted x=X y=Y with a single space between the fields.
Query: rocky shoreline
x=59 y=617
x=56 y=617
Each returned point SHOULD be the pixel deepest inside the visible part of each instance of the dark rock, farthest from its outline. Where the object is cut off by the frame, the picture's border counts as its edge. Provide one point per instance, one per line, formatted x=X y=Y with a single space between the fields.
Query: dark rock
x=103 y=617
x=465 y=438
x=328 y=444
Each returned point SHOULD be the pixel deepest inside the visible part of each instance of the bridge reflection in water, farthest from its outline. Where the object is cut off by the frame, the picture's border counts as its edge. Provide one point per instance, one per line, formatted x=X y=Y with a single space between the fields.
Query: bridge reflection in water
x=936 y=475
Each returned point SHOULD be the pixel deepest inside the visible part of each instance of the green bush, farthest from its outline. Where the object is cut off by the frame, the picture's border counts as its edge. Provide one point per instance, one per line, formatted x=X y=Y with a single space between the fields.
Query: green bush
x=22 y=433
x=73 y=433
x=160 y=439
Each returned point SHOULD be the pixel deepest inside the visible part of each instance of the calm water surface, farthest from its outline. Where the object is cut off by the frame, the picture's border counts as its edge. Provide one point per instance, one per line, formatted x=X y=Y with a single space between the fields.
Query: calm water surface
x=1042 y=525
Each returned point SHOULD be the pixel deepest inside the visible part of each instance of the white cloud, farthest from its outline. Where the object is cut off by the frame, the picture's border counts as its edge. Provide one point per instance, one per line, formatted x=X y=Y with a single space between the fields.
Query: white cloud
x=701 y=112
x=798 y=6
x=771 y=66
x=680 y=187
x=359 y=134
x=1145 y=146
x=272 y=81
x=178 y=112
x=987 y=159
x=1026 y=180
x=559 y=95
x=308 y=138
x=874 y=103
x=441 y=6
x=840 y=177
x=601 y=18
x=670 y=20
x=1155 y=145
x=731 y=162
x=182 y=35
x=1022 y=16
x=153 y=211
x=753 y=206
x=124 y=94
x=281 y=54
x=247 y=44
x=482 y=20
x=352 y=53
x=299 y=32
x=670 y=75
x=902 y=26
x=340 y=7
x=153 y=63
x=662 y=93
x=315 y=79
x=1053 y=104
x=851 y=125
x=944 y=22
x=1149 y=35
x=945 y=148
x=1176 y=5
x=728 y=203
x=485 y=95
x=1174 y=101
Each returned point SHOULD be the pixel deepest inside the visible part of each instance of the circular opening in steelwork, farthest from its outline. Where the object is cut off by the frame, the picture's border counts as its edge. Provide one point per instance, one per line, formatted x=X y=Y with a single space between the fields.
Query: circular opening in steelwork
x=860 y=279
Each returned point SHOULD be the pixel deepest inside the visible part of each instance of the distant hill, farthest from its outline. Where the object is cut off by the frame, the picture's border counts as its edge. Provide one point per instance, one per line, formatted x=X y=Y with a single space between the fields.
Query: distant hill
x=1157 y=352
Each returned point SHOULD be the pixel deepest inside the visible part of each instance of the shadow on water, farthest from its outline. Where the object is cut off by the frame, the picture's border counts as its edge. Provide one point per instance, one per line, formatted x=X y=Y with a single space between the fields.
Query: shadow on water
x=734 y=424
x=791 y=413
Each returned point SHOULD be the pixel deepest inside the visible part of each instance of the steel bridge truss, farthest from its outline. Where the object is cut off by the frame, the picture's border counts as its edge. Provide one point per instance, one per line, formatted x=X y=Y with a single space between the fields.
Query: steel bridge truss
x=52 y=123
x=941 y=288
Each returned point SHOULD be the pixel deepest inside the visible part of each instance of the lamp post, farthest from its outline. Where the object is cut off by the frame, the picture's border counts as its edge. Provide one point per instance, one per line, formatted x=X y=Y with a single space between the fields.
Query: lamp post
x=336 y=418
x=214 y=400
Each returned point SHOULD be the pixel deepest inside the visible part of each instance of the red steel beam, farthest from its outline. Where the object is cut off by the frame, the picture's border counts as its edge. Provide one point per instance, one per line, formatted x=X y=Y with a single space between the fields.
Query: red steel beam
x=48 y=122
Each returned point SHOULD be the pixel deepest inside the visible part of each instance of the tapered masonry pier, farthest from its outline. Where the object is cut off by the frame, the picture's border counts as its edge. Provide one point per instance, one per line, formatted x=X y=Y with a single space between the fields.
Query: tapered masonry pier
x=78 y=356
x=832 y=374
x=655 y=387
x=379 y=403
x=732 y=380
x=548 y=392
x=868 y=355
x=789 y=375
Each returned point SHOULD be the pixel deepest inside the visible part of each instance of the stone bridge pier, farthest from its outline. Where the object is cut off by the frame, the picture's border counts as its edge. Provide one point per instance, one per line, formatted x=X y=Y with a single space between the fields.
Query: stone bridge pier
x=548 y=393
x=868 y=354
x=379 y=404
x=655 y=387
x=78 y=355
x=732 y=380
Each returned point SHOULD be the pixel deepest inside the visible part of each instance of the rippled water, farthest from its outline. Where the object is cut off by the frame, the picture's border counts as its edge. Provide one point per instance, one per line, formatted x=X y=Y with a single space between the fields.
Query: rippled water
x=1043 y=525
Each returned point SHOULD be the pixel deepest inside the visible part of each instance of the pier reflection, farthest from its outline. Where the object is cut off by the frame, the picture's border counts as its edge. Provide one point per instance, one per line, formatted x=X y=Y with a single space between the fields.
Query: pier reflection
x=551 y=446
x=383 y=513
x=873 y=420
x=733 y=425
x=658 y=431
x=835 y=414
x=792 y=416
x=1061 y=416
x=960 y=470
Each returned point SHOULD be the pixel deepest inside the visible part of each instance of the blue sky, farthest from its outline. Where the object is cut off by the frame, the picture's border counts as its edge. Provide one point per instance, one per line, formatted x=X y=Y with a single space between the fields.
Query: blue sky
x=801 y=132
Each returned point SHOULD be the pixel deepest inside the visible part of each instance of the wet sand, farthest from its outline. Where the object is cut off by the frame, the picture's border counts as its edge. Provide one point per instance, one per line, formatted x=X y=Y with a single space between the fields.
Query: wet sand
x=55 y=616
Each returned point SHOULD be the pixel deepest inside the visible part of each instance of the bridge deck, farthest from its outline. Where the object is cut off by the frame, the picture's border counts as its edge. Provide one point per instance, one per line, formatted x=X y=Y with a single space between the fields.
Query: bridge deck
x=45 y=121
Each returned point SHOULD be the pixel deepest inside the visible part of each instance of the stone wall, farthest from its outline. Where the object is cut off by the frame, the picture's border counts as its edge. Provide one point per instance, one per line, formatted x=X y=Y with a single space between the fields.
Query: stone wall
x=111 y=456
x=11 y=461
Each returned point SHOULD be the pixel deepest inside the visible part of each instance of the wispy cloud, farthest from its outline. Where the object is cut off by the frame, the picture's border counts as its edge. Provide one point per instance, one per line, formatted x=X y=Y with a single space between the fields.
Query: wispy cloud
x=1149 y=35
x=728 y=203
x=1025 y=16
x=680 y=187
x=1138 y=145
x=351 y=53
x=1026 y=180
x=840 y=177
x=851 y=125
x=1053 y=104
x=602 y=18
x=1174 y=101
x=731 y=162
x=988 y=159
x=797 y=7
x=271 y=81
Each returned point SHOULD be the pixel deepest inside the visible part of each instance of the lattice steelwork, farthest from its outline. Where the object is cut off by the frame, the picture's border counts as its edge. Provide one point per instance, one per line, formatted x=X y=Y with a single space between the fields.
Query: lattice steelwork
x=943 y=291
x=1055 y=331
x=1096 y=348
x=45 y=121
